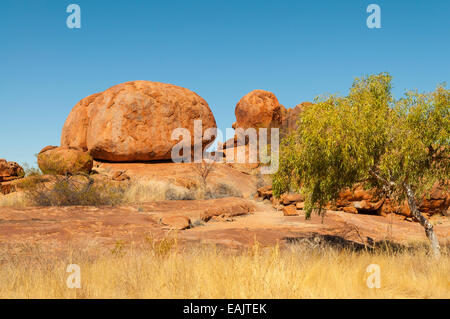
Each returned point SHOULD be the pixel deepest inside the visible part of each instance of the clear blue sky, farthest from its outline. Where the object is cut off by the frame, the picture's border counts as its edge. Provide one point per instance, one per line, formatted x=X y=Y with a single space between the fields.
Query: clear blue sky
x=221 y=49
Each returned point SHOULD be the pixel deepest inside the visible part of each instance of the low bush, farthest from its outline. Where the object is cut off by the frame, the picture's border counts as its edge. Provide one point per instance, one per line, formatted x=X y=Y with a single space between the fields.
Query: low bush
x=174 y=193
x=222 y=190
x=87 y=190
x=66 y=191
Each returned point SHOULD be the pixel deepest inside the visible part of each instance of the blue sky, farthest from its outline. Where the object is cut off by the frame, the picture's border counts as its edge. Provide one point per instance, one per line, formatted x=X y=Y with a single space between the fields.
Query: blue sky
x=221 y=49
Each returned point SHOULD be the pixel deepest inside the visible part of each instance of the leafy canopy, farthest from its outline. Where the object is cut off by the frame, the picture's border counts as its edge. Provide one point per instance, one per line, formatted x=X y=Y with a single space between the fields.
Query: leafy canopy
x=367 y=137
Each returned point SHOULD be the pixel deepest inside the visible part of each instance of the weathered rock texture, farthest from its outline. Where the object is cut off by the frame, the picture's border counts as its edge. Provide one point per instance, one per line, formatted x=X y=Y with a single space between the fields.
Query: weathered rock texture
x=237 y=207
x=258 y=109
x=290 y=117
x=10 y=171
x=133 y=121
x=62 y=160
x=360 y=201
x=176 y=222
x=290 y=210
x=261 y=109
x=105 y=226
x=437 y=202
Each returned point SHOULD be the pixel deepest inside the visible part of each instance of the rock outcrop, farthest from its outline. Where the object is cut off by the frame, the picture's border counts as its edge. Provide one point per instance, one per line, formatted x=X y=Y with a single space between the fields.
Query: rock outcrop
x=290 y=210
x=176 y=222
x=10 y=171
x=134 y=121
x=290 y=117
x=261 y=109
x=438 y=201
x=361 y=201
x=63 y=160
x=239 y=207
x=265 y=192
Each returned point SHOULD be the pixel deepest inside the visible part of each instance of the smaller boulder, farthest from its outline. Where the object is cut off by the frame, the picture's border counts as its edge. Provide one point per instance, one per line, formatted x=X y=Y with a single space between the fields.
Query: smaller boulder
x=10 y=171
x=290 y=211
x=176 y=222
x=437 y=202
x=288 y=199
x=238 y=208
x=358 y=193
x=7 y=188
x=62 y=160
x=265 y=192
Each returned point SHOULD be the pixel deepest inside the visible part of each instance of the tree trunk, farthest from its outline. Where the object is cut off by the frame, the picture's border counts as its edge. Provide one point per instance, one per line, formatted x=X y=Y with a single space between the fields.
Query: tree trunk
x=429 y=231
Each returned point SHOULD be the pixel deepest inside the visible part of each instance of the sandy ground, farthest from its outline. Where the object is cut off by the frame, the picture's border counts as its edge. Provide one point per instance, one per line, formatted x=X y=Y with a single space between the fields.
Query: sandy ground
x=59 y=227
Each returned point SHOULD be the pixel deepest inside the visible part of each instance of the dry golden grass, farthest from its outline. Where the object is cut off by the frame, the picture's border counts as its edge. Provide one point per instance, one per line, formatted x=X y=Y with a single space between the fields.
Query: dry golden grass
x=132 y=192
x=16 y=199
x=164 y=271
x=152 y=190
x=109 y=193
x=148 y=190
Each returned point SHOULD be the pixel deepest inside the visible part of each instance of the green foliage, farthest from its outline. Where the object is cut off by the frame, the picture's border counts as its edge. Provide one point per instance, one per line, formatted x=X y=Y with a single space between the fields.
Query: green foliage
x=419 y=151
x=288 y=176
x=367 y=137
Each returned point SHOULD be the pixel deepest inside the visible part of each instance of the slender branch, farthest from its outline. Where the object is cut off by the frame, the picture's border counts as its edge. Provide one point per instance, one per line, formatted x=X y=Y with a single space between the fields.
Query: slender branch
x=387 y=185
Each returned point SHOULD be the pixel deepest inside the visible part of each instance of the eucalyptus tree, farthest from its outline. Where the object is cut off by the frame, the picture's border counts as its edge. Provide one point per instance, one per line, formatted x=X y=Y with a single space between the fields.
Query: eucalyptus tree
x=399 y=146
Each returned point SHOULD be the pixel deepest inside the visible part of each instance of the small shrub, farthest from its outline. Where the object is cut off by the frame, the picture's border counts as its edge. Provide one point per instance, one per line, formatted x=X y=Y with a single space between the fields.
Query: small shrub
x=197 y=223
x=173 y=193
x=222 y=190
x=203 y=169
x=32 y=181
x=65 y=191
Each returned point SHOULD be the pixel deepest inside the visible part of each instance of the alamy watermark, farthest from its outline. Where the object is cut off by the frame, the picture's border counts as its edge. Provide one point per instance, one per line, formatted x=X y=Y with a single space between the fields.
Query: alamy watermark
x=74 y=279
x=73 y=21
x=374 y=19
x=257 y=149
x=374 y=278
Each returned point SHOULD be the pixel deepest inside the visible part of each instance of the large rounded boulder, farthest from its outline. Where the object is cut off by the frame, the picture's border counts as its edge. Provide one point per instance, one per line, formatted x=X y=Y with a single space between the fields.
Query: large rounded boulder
x=134 y=121
x=258 y=109
x=63 y=160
